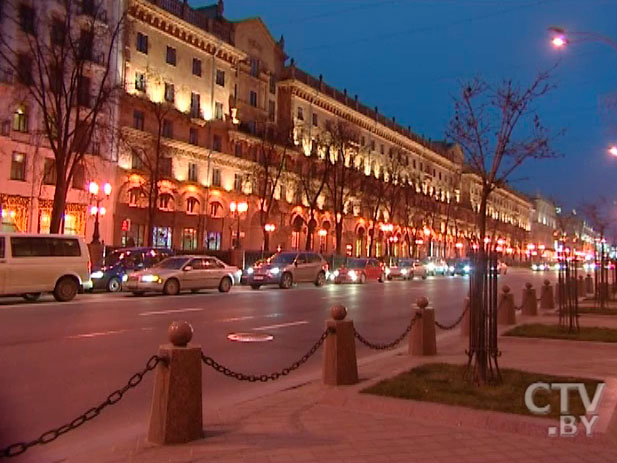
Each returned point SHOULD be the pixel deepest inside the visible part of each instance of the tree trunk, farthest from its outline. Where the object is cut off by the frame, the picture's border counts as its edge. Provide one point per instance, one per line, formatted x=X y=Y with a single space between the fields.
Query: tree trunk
x=339 y=237
x=266 y=240
x=59 y=205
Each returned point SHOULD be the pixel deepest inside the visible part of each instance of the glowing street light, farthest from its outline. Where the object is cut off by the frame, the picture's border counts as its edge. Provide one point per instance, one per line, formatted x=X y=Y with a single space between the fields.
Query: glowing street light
x=613 y=150
x=237 y=208
x=96 y=209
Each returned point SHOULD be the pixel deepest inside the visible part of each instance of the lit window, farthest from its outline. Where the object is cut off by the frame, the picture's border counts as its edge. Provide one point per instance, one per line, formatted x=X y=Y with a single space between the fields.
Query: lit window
x=20 y=119
x=192 y=206
x=140 y=82
x=216 y=177
x=170 y=92
x=192 y=172
x=18 y=166
x=195 y=104
x=218 y=110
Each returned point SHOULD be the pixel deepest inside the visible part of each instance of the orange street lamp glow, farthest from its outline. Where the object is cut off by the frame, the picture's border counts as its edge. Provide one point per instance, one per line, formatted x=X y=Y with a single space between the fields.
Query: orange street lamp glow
x=322 y=232
x=559 y=41
x=613 y=150
x=93 y=188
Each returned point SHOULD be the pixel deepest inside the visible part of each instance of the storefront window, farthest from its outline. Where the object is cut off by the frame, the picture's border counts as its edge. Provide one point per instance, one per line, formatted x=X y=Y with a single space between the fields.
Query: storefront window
x=213 y=242
x=70 y=225
x=189 y=239
x=161 y=237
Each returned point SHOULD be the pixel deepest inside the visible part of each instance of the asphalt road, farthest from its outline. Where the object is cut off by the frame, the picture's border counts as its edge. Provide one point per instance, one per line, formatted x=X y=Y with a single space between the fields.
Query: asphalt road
x=57 y=360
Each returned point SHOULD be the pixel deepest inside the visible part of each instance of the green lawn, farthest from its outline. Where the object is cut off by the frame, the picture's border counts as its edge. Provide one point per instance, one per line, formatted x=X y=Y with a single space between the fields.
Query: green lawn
x=585 y=333
x=445 y=383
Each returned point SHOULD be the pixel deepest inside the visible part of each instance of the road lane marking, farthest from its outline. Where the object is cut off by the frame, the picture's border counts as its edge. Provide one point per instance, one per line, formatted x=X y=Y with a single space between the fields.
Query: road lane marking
x=282 y=325
x=247 y=317
x=94 y=335
x=166 y=312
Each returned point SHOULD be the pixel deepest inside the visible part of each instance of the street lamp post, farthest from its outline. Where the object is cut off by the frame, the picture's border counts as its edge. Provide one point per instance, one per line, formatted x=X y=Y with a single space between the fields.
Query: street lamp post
x=236 y=209
x=97 y=210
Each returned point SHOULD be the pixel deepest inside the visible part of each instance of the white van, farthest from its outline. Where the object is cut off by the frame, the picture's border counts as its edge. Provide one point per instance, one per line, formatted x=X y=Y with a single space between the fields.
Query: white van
x=34 y=264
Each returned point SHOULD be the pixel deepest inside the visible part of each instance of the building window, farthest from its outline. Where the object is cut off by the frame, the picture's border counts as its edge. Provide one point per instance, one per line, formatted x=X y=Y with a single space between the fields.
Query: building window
x=83 y=92
x=214 y=241
x=165 y=167
x=161 y=237
x=216 y=209
x=140 y=82
x=134 y=195
x=170 y=55
x=24 y=69
x=20 y=119
x=271 y=110
x=142 y=43
x=195 y=104
x=166 y=202
x=86 y=44
x=189 y=239
x=254 y=67
x=220 y=78
x=197 y=67
x=192 y=206
x=315 y=120
x=216 y=142
x=218 y=111
x=138 y=119
x=238 y=181
x=238 y=149
x=26 y=18
x=79 y=177
x=49 y=172
x=272 y=84
x=58 y=32
x=192 y=172
x=381 y=149
x=193 y=139
x=372 y=145
x=253 y=98
x=18 y=167
x=216 y=177
x=170 y=92
x=168 y=130
x=137 y=162
x=283 y=193
x=300 y=113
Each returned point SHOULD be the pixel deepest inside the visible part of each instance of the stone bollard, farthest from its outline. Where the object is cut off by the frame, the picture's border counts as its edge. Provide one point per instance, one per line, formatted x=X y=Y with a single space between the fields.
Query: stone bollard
x=589 y=289
x=506 y=313
x=176 y=416
x=529 y=305
x=547 y=299
x=340 y=367
x=466 y=322
x=581 y=287
x=423 y=340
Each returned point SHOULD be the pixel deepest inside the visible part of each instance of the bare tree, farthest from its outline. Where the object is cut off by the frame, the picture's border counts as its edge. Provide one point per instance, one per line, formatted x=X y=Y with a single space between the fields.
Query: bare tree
x=271 y=157
x=313 y=173
x=342 y=140
x=497 y=129
x=65 y=65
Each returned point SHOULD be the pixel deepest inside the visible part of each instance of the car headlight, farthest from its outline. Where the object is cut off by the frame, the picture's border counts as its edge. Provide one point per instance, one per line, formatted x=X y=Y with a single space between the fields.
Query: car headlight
x=353 y=275
x=451 y=268
x=249 y=270
x=534 y=267
x=125 y=278
x=404 y=271
x=275 y=270
x=150 y=279
x=388 y=270
x=430 y=267
x=466 y=268
x=335 y=273
x=96 y=275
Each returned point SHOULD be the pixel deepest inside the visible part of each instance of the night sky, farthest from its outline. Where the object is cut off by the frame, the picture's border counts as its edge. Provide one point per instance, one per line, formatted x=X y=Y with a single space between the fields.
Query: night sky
x=408 y=56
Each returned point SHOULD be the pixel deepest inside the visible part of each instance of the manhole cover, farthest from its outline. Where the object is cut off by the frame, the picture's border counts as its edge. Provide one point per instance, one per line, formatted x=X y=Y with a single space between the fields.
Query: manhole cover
x=250 y=337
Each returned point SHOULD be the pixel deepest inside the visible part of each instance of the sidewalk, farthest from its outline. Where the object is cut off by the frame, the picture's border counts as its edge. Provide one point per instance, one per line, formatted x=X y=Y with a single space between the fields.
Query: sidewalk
x=326 y=424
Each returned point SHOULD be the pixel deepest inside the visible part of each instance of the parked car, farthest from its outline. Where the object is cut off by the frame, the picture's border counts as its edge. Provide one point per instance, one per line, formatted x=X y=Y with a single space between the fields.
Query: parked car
x=250 y=269
x=33 y=264
x=460 y=267
x=407 y=269
x=289 y=267
x=179 y=273
x=540 y=266
x=360 y=270
x=118 y=264
x=436 y=266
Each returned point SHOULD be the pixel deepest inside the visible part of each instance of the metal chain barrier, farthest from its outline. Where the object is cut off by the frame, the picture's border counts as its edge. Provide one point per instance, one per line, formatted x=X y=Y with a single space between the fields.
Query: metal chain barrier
x=389 y=345
x=272 y=376
x=113 y=398
x=453 y=325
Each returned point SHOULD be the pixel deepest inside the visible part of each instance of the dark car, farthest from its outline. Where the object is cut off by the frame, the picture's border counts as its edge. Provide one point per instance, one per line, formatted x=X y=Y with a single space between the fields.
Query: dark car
x=460 y=267
x=121 y=262
x=289 y=267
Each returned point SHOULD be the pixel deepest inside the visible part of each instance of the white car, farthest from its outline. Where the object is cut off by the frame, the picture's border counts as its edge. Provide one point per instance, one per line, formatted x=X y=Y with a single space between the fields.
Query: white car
x=179 y=273
x=406 y=269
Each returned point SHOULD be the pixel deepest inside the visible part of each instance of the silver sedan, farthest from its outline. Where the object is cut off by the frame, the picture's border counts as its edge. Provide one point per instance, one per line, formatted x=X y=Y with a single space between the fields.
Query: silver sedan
x=179 y=273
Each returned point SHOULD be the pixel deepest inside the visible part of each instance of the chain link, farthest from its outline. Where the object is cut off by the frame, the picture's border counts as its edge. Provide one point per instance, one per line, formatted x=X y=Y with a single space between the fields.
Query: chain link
x=272 y=376
x=390 y=345
x=113 y=398
x=453 y=325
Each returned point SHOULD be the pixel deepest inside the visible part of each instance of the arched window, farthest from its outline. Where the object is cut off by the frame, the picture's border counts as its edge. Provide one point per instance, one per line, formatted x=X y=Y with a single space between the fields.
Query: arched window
x=166 y=202
x=134 y=195
x=216 y=209
x=192 y=206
